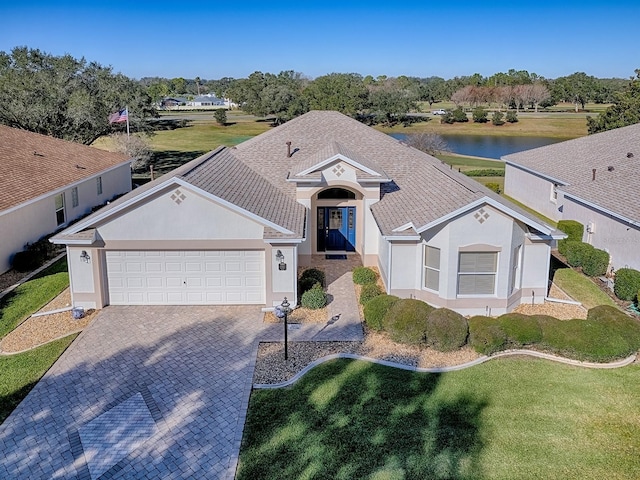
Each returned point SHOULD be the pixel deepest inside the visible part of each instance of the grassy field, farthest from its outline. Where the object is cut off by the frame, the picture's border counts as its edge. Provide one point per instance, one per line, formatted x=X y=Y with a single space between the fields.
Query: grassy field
x=506 y=419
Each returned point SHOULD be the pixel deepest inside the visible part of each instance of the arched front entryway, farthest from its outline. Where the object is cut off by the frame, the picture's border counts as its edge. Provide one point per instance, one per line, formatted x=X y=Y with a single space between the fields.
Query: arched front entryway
x=336 y=219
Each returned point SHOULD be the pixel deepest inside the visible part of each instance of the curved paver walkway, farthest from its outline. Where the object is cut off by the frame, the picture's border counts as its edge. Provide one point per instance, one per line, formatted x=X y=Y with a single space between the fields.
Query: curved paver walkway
x=617 y=364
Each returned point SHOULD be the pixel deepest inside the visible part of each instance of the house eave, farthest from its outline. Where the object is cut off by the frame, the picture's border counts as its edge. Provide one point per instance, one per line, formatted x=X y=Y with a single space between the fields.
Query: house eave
x=536 y=173
x=606 y=211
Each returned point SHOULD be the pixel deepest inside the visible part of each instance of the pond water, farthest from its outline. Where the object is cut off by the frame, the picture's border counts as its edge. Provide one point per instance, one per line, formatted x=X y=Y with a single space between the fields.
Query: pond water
x=489 y=146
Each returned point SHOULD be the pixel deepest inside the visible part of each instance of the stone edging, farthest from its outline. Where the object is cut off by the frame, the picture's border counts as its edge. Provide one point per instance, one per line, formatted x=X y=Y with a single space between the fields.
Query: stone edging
x=32 y=274
x=477 y=361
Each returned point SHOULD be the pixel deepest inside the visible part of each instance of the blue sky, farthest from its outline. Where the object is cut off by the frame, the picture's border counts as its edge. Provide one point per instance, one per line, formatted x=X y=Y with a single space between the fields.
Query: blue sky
x=214 y=39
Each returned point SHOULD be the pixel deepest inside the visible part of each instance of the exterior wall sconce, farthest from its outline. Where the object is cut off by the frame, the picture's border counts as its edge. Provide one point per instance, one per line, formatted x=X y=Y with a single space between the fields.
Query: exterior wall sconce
x=84 y=256
x=280 y=259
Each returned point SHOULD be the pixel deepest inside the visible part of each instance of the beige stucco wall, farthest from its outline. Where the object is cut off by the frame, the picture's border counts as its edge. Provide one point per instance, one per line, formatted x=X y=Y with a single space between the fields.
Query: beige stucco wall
x=498 y=232
x=620 y=239
x=31 y=221
x=533 y=191
x=194 y=217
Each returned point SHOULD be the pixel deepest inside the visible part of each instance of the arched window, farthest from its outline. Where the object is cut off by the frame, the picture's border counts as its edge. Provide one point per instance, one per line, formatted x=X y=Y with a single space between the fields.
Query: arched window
x=336 y=193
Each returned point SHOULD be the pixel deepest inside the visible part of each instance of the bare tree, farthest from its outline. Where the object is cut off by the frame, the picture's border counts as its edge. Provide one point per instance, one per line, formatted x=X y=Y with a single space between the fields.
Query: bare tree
x=427 y=142
x=136 y=147
x=539 y=93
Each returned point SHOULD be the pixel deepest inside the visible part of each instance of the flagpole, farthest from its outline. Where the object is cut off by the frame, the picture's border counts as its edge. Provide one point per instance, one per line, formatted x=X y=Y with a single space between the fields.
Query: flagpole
x=127 y=107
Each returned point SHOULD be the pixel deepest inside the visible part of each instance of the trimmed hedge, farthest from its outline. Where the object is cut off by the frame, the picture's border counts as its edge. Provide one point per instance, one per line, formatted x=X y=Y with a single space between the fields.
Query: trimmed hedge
x=595 y=263
x=314 y=298
x=627 y=284
x=486 y=335
x=446 y=330
x=605 y=335
x=406 y=321
x=309 y=278
x=376 y=309
x=363 y=275
x=369 y=292
x=573 y=229
x=27 y=260
x=520 y=329
x=577 y=252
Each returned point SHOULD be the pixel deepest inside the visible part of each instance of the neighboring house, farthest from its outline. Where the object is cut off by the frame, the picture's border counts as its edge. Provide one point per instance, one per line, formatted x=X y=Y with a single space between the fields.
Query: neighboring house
x=593 y=180
x=206 y=101
x=170 y=102
x=234 y=225
x=46 y=182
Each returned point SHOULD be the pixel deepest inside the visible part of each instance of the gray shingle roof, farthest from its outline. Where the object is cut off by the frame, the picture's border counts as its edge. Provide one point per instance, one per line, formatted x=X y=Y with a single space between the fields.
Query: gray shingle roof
x=422 y=190
x=572 y=162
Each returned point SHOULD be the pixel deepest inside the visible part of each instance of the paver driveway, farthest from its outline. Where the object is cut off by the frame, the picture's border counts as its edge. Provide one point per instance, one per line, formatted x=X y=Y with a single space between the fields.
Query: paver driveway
x=146 y=392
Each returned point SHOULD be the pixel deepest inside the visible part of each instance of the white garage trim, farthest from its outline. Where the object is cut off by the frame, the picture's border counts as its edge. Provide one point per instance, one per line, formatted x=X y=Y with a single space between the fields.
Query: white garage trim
x=213 y=277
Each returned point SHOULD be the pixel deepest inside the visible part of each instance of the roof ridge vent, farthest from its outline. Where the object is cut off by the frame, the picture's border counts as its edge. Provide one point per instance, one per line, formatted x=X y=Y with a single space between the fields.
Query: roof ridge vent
x=630 y=155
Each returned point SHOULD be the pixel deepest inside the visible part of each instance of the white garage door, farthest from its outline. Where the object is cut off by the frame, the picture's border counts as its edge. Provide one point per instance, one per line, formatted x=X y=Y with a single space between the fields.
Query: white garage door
x=186 y=277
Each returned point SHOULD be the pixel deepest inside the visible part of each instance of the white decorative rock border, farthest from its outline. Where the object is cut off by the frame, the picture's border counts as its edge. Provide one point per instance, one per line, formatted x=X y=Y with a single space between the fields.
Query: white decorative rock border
x=507 y=353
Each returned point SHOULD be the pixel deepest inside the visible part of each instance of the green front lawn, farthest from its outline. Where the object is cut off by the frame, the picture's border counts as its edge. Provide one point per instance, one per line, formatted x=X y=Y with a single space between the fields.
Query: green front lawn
x=31 y=296
x=581 y=288
x=19 y=373
x=506 y=419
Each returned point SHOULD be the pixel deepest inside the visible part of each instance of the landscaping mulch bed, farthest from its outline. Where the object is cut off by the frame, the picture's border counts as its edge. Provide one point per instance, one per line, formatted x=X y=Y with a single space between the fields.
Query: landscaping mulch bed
x=36 y=331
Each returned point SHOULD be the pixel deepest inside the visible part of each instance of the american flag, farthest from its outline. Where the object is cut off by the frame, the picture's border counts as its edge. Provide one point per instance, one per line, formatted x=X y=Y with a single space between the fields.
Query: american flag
x=119 y=117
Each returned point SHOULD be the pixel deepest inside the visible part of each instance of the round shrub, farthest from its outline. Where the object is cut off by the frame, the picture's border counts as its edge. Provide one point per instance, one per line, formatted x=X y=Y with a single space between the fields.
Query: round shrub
x=577 y=252
x=446 y=330
x=305 y=284
x=573 y=229
x=512 y=116
x=314 y=274
x=486 y=335
x=376 y=308
x=27 y=260
x=369 y=292
x=520 y=329
x=406 y=321
x=627 y=284
x=314 y=298
x=363 y=275
x=595 y=263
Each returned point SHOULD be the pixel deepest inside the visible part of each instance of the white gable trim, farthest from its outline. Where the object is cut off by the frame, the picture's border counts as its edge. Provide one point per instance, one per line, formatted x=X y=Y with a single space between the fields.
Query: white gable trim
x=343 y=158
x=481 y=201
x=536 y=173
x=627 y=220
x=161 y=186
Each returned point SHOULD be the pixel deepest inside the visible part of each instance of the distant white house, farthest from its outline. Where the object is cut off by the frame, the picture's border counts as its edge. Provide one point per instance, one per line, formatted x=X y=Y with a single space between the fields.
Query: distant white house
x=593 y=180
x=45 y=183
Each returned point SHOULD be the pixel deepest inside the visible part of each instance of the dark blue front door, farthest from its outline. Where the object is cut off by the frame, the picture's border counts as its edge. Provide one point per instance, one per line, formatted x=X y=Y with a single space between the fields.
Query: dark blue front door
x=336 y=229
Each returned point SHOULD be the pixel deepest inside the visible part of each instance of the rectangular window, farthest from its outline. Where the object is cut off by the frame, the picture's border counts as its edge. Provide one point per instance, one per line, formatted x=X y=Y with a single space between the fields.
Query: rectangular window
x=59 y=202
x=99 y=185
x=515 y=268
x=432 y=268
x=554 y=192
x=477 y=273
x=74 y=197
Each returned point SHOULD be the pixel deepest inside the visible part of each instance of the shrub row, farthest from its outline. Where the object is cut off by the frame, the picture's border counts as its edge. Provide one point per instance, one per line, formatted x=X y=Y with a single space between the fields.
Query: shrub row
x=574 y=231
x=485 y=172
x=415 y=322
x=594 y=262
x=606 y=334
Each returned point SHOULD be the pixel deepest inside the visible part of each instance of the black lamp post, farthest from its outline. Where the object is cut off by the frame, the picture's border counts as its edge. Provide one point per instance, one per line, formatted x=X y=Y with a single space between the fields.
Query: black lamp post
x=285 y=309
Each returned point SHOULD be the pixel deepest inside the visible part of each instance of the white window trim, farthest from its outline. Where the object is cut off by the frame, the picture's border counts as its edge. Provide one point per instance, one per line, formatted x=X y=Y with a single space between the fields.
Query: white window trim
x=516 y=269
x=61 y=209
x=495 y=279
x=554 y=193
x=425 y=267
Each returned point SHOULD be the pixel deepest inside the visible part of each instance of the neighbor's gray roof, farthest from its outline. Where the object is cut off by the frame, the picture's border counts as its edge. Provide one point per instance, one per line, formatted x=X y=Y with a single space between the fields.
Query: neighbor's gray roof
x=422 y=189
x=615 y=187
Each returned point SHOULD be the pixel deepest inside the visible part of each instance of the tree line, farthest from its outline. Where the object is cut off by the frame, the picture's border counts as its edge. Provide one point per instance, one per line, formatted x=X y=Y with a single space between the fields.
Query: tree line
x=72 y=98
